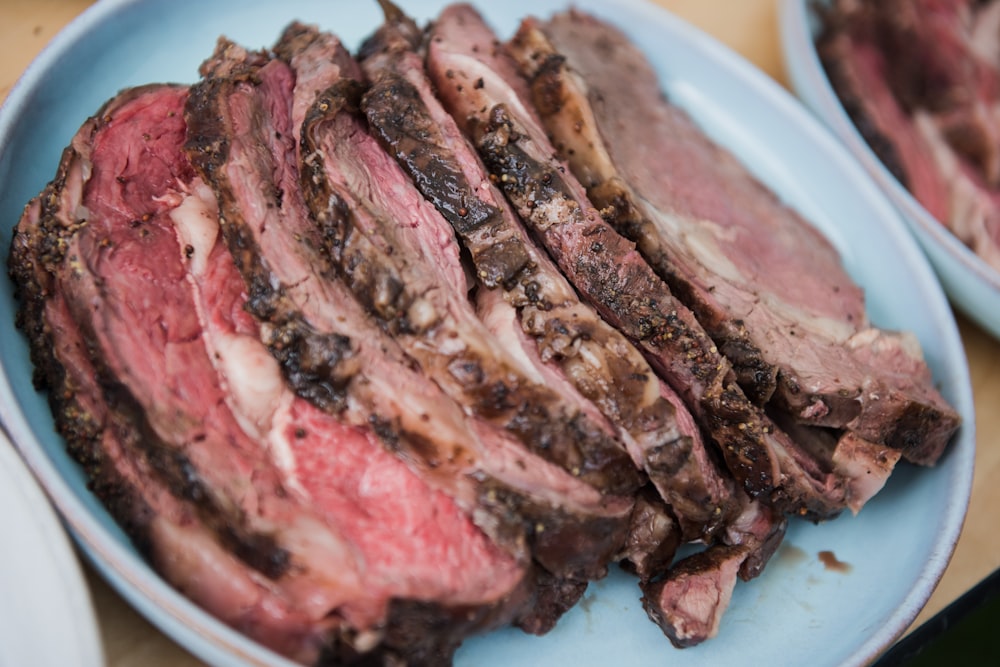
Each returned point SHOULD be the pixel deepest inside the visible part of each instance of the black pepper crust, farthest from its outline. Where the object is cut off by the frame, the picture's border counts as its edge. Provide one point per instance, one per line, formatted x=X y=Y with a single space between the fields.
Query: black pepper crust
x=643 y=307
x=399 y=121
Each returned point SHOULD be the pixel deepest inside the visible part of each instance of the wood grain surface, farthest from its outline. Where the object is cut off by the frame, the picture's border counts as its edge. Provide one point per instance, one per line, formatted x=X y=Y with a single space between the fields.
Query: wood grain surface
x=751 y=28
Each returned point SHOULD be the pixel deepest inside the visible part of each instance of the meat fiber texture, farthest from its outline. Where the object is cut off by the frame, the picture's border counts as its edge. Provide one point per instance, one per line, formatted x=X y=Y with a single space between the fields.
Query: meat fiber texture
x=921 y=81
x=351 y=332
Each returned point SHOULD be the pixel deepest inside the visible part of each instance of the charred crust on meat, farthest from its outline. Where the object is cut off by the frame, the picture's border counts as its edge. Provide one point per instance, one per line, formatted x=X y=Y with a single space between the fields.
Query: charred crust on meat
x=547 y=83
x=399 y=120
x=553 y=597
x=911 y=427
x=319 y=367
x=385 y=429
x=397 y=33
x=653 y=537
x=555 y=535
x=629 y=293
x=670 y=457
x=377 y=284
x=419 y=633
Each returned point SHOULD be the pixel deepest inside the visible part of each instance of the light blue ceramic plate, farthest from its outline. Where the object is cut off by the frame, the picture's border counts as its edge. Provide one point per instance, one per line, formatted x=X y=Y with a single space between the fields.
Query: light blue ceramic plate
x=971 y=283
x=798 y=612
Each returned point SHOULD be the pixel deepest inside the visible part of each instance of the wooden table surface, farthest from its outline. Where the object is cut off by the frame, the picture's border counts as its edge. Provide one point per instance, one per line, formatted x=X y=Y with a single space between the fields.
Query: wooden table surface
x=748 y=26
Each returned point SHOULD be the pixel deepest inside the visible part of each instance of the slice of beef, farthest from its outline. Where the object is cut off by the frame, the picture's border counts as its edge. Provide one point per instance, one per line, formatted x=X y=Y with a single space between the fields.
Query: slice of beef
x=865 y=466
x=395 y=68
x=319 y=60
x=143 y=296
x=858 y=70
x=523 y=298
x=168 y=530
x=91 y=239
x=653 y=538
x=952 y=80
x=676 y=592
x=974 y=214
x=606 y=268
x=688 y=604
x=554 y=596
x=936 y=140
x=760 y=530
x=241 y=139
x=768 y=287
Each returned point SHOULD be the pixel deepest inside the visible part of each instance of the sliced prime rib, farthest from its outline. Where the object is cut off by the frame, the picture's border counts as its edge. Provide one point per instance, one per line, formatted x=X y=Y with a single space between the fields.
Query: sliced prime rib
x=953 y=80
x=864 y=466
x=523 y=299
x=332 y=463
x=689 y=602
x=241 y=140
x=858 y=69
x=357 y=443
x=368 y=494
x=767 y=286
x=79 y=236
x=916 y=80
x=136 y=306
x=478 y=82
